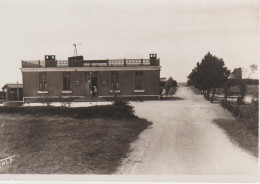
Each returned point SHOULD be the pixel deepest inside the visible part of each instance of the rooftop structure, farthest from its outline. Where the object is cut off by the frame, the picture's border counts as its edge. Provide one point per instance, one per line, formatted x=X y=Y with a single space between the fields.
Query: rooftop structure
x=78 y=61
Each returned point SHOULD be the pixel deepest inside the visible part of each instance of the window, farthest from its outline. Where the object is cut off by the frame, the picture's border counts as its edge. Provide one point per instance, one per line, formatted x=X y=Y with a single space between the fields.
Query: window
x=138 y=79
x=87 y=77
x=42 y=81
x=115 y=80
x=66 y=81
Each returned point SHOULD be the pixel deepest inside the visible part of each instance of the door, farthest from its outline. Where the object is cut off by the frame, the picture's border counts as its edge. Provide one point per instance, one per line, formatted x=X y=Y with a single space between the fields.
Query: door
x=13 y=95
x=90 y=81
x=87 y=84
x=87 y=89
x=94 y=86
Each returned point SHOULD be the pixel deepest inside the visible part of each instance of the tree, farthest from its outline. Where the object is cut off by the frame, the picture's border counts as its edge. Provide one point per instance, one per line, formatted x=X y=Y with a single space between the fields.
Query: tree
x=189 y=83
x=253 y=69
x=169 y=84
x=209 y=73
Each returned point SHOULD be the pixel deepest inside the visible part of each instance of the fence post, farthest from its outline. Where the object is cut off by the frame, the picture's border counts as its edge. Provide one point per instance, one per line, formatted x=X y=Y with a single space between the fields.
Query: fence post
x=240 y=112
x=234 y=110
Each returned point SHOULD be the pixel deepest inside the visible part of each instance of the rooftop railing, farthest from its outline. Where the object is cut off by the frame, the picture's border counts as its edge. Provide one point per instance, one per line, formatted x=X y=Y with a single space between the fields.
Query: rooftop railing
x=90 y=63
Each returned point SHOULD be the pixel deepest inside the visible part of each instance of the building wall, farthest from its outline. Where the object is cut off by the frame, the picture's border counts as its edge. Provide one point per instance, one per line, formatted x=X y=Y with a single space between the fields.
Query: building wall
x=151 y=80
x=150 y=83
x=77 y=90
x=30 y=84
x=54 y=84
x=104 y=83
x=127 y=82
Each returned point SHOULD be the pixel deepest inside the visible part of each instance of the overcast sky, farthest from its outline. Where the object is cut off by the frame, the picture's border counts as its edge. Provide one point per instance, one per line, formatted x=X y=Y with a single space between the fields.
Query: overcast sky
x=180 y=33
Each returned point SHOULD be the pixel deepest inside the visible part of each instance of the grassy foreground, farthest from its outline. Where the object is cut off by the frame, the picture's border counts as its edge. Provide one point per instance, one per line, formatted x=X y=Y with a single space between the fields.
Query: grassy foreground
x=55 y=144
x=240 y=134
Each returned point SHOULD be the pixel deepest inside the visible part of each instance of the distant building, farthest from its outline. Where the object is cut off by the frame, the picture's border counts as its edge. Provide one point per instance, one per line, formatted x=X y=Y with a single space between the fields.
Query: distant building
x=79 y=78
x=13 y=92
x=2 y=95
x=236 y=74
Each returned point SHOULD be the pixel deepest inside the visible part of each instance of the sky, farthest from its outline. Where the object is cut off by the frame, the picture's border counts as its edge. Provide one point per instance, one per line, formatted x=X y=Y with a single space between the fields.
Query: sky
x=180 y=32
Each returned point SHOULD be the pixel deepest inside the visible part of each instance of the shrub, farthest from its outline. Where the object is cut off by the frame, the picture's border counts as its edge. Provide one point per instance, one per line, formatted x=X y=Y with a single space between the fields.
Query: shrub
x=65 y=102
x=249 y=114
x=124 y=100
x=106 y=111
x=120 y=102
x=251 y=81
x=46 y=100
x=172 y=90
x=232 y=107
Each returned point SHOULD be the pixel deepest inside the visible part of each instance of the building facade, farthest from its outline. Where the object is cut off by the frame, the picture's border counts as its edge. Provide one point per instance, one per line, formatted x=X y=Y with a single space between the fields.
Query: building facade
x=79 y=78
x=13 y=92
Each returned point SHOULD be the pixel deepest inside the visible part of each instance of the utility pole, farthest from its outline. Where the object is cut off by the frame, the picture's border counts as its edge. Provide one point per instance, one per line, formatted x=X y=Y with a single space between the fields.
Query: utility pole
x=75 y=49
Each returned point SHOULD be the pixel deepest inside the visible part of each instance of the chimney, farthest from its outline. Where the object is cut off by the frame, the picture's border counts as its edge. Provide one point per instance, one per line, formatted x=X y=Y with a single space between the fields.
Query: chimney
x=50 y=61
x=153 y=60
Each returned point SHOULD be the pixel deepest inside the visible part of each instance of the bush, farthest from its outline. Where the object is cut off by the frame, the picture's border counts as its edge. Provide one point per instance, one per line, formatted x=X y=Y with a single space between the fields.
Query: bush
x=118 y=102
x=251 y=81
x=172 y=90
x=249 y=114
x=232 y=107
x=125 y=99
x=106 y=111
x=65 y=102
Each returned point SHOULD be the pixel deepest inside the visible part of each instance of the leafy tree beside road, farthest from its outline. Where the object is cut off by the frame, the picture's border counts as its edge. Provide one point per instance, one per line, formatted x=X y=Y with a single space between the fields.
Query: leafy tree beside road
x=210 y=73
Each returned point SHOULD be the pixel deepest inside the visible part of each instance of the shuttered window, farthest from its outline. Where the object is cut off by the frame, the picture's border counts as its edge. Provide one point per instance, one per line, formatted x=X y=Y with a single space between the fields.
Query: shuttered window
x=66 y=81
x=138 y=79
x=115 y=80
x=42 y=81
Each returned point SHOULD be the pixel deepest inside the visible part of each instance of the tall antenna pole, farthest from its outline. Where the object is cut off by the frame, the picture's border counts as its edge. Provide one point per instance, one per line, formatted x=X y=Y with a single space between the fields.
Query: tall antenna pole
x=75 y=50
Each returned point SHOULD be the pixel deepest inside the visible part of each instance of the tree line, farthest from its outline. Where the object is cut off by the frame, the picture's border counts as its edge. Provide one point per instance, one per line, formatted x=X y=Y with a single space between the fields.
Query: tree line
x=211 y=73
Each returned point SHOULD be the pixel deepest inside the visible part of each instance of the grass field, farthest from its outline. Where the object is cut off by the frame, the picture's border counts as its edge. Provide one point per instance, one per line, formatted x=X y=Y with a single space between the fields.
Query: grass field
x=240 y=134
x=244 y=131
x=54 y=144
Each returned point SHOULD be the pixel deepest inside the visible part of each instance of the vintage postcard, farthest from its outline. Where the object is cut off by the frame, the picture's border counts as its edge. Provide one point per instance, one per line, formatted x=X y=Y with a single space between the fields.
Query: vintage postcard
x=129 y=91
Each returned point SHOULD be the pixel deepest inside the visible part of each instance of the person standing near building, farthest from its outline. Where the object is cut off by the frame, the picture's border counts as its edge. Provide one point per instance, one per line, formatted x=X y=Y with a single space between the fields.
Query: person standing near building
x=92 y=91
x=95 y=91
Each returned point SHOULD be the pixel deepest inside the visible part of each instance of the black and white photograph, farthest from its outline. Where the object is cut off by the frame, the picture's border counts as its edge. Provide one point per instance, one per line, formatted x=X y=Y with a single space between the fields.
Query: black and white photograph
x=129 y=90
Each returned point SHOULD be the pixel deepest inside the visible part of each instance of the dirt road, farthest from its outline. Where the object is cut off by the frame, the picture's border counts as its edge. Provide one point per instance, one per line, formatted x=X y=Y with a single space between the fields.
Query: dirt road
x=184 y=140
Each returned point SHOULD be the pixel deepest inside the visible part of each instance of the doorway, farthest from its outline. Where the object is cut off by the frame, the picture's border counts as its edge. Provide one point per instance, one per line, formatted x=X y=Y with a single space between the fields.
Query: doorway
x=90 y=84
x=87 y=89
x=87 y=84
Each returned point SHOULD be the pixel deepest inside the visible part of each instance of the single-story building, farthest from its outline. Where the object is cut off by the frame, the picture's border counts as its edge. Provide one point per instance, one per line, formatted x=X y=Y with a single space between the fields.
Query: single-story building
x=79 y=78
x=13 y=92
x=2 y=95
